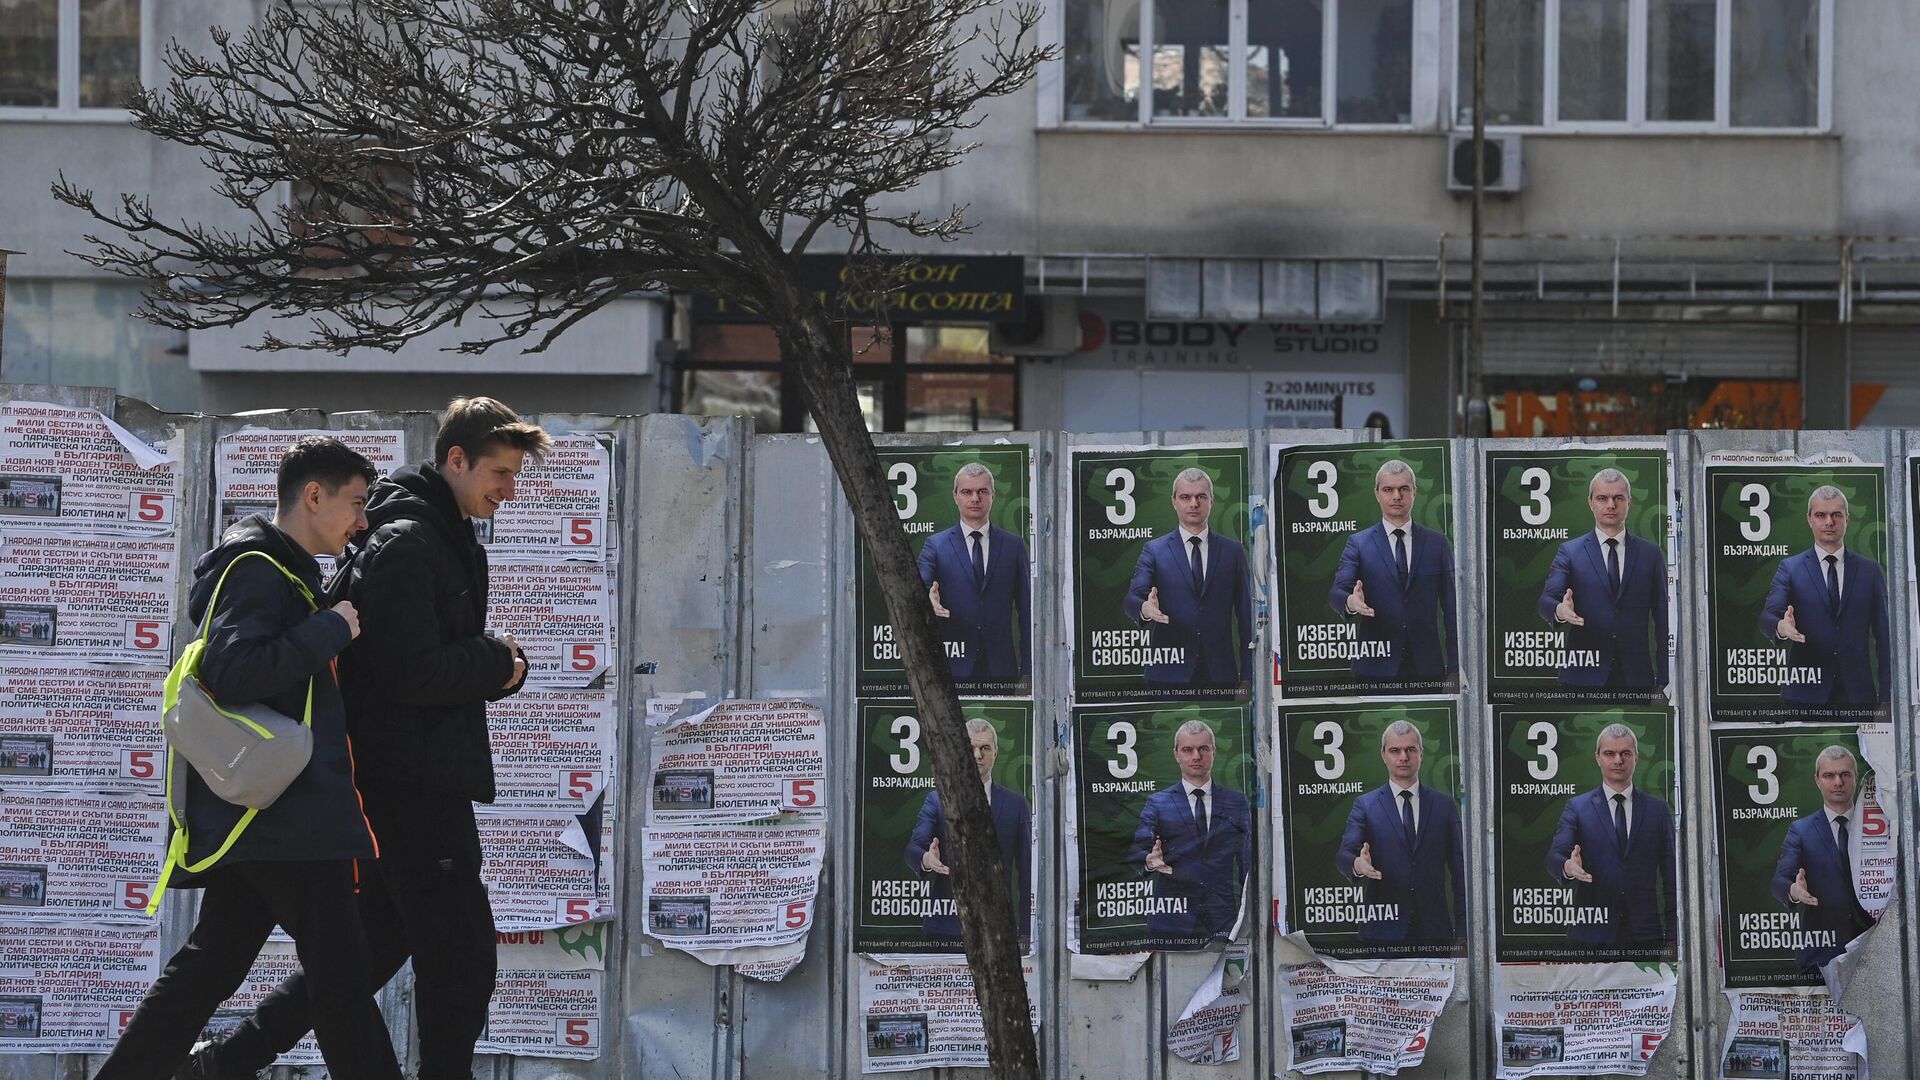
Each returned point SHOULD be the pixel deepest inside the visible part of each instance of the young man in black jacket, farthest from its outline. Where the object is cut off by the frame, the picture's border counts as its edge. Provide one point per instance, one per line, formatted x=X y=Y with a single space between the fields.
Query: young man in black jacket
x=268 y=642
x=417 y=683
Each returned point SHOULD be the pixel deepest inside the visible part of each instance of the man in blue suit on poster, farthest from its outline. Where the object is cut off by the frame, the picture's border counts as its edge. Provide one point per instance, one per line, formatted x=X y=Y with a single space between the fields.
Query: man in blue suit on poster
x=1815 y=873
x=1615 y=844
x=1607 y=592
x=1403 y=841
x=1824 y=604
x=1191 y=588
x=1198 y=836
x=977 y=578
x=1012 y=828
x=1396 y=579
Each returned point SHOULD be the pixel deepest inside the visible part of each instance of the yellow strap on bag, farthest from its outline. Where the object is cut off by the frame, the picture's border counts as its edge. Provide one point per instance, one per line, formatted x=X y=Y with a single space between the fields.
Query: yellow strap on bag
x=188 y=667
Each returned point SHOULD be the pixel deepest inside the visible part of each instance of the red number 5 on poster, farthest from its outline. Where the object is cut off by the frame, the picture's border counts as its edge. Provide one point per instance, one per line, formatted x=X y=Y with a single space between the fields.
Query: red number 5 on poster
x=802 y=794
x=150 y=507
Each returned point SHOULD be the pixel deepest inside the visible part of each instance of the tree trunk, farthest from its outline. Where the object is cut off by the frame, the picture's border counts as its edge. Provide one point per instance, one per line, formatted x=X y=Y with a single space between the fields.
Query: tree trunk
x=979 y=889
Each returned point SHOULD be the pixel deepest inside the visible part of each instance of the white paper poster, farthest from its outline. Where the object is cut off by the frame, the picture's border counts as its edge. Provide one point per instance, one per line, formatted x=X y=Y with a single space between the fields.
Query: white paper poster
x=547 y=996
x=740 y=762
x=1368 y=1016
x=1876 y=857
x=67 y=724
x=925 y=1016
x=560 y=508
x=245 y=464
x=562 y=615
x=1208 y=1031
x=782 y=959
x=72 y=470
x=77 y=596
x=732 y=886
x=539 y=870
x=67 y=855
x=1787 y=1035
x=71 y=988
x=1581 y=1019
x=552 y=749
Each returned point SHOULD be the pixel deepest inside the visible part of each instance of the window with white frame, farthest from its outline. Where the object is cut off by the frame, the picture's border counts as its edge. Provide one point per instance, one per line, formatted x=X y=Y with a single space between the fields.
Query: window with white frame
x=1314 y=62
x=1681 y=64
x=68 y=55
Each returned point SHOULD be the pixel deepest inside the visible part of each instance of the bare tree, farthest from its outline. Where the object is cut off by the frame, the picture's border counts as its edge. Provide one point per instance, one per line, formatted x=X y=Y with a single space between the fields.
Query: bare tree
x=398 y=165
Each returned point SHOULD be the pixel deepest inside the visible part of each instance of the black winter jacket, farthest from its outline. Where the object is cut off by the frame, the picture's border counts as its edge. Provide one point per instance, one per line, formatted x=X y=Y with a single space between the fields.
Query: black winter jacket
x=263 y=645
x=420 y=675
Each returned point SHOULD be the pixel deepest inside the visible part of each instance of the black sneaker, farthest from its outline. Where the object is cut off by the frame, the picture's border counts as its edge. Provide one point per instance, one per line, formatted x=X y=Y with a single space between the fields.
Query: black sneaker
x=204 y=1064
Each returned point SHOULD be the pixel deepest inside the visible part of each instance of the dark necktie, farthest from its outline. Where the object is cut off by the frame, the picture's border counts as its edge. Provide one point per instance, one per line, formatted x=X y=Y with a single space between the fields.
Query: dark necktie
x=1613 y=566
x=1406 y=816
x=1199 y=569
x=1846 y=857
x=1200 y=813
x=1620 y=822
x=1400 y=554
x=1833 y=585
x=1846 y=865
x=979 y=561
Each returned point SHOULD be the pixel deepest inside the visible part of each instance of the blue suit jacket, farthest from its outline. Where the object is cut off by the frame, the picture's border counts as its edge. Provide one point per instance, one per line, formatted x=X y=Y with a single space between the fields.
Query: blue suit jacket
x=1012 y=827
x=990 y=620
x=1416 y=615
x=1836 y=642
x=1809 y=846
x=1414 y=877
x=1617 y=625
x=1213 y=625
x=1636 y=885
x=1210 y=871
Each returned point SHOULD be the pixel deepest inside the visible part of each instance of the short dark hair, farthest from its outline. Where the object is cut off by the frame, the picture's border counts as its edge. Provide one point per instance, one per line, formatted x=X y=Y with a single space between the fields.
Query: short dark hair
x=317 y=457
x=481 y=425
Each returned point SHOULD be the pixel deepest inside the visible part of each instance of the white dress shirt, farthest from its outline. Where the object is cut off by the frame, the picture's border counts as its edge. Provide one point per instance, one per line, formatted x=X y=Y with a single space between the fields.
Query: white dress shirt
x=1415 y=788
x=1611 y=791
x=1186 y=550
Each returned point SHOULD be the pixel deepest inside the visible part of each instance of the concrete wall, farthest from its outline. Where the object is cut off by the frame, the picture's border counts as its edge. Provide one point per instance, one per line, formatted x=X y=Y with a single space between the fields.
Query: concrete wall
x=232 y=392
x=1278 y=193
x=107 y=156
x=1875 y=85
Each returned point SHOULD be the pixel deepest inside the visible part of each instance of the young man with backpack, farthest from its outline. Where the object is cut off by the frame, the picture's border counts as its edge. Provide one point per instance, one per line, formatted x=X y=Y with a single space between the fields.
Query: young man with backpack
x=417 y=684
x=268 y=642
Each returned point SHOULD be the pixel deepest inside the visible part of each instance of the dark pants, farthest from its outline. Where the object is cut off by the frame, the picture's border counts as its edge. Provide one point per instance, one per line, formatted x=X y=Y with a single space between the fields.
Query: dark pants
x=422 y=899
x=314 y=902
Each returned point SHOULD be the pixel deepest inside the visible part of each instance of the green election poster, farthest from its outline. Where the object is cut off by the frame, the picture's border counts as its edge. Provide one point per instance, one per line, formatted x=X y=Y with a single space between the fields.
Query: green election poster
x=1368 y=811
x=968 y=515
x=1161 y=591
x=1585 y=850
x=1364 y=570
x=906 y=894
x=1161 y=829
x=1579 y=587
x=1796 y=591
x=1807 y=856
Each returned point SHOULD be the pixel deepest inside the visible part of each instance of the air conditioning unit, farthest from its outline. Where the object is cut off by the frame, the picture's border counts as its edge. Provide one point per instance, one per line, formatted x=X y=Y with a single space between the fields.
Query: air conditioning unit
x=1502 y=167
x=1051 y=328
